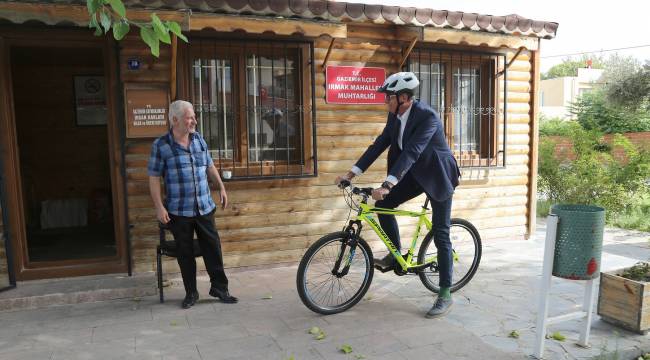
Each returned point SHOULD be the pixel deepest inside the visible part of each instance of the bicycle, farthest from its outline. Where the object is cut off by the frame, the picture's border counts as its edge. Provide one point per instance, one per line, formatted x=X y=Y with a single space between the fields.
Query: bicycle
x=336 y=271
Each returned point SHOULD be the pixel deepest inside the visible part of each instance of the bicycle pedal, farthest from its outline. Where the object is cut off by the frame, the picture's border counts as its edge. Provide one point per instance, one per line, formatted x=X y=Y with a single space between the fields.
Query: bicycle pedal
x=384 y=269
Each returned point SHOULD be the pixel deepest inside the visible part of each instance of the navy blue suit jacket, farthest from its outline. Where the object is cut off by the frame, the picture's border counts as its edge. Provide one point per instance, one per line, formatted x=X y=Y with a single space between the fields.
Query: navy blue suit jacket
x=425 y=152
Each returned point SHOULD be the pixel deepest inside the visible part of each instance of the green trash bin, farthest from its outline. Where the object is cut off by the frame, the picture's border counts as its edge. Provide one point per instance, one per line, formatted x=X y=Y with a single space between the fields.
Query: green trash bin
x=579 y=241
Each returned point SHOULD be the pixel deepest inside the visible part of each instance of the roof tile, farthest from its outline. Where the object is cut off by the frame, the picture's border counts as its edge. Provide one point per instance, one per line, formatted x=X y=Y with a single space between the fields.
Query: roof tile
x=511 y=22
x=373 y=12
x=469 y=19
x=354 y=11
x=483 y=21
x=279 y=6
x=423 y=15
x=406 y=14
x=258 y=5
x=298 y=6
x=454 y=17
x=317 y=7
x=336 y=9
x=216 y=4
x=389 y=12
x=439 y=17
x=498 y=22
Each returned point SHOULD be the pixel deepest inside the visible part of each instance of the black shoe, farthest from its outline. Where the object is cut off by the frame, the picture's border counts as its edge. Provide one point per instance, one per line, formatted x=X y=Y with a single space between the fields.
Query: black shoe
x=190 y=300
x=386 y=263
x=223 y=295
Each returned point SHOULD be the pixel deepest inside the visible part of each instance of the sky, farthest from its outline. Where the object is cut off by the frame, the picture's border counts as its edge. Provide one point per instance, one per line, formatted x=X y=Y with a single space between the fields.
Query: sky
x=585 y=26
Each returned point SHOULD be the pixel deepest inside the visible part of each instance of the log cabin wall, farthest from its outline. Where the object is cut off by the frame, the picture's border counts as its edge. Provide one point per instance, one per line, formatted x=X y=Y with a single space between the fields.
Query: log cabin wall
x=273 y=221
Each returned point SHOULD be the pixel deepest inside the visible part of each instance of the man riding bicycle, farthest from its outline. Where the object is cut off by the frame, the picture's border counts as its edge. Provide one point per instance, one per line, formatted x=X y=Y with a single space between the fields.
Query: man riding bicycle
x=419 y=160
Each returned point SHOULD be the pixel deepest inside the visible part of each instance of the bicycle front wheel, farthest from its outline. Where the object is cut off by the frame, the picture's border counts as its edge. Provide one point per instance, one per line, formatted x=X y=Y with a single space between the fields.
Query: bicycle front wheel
x=331 y=277
x=466 y=251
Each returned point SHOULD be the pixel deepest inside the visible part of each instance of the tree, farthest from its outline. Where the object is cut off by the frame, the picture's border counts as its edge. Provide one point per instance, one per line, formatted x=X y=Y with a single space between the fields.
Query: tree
x=632 y=90
x=111 y=14
x=569 y=67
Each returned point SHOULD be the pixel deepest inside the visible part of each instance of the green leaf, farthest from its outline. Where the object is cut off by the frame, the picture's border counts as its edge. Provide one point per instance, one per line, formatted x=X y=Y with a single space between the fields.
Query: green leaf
x=315 y=330
x=359 y=357
x=93 y=5
x=105 y=19
x=150 y=38
x=557 y=336
x=514 y=334
x=120 y=29
x=160 y=29
x=346 y=348
x=118 y=7
x=267 y=297
x=321 y=336
x=175 y=29
x=291 y=358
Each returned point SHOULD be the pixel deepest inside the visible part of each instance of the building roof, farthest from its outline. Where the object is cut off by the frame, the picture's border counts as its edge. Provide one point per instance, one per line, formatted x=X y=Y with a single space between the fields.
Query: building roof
x=352 y=12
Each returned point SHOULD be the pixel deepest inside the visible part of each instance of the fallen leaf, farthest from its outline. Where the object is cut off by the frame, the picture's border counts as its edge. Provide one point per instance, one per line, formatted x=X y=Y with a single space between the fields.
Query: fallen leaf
x=557 y=336
x=267 y=297
x=514 y=334
x=346 y=348
x=291 y=358
x=173 y=323
x=321 y=336
x=314 y=330
x=359 y=357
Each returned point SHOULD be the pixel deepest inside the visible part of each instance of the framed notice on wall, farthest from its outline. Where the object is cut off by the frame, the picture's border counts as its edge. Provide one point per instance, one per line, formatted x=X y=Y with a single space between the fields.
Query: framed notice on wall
x=146 y=110
x=90 y=100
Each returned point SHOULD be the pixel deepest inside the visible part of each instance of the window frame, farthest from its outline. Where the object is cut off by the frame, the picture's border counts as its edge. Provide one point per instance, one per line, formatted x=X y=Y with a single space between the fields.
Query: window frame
x=492 y=72
x=237 y=50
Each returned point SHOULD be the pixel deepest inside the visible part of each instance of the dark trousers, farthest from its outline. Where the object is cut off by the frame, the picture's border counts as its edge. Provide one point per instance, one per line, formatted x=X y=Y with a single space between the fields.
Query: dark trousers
x=183 y=229
x=405 y=190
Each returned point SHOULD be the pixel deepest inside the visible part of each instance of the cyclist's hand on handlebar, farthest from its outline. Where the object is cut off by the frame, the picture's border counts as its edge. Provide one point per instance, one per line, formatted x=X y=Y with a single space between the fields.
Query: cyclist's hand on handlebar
x=379 y=193
x=344 y=181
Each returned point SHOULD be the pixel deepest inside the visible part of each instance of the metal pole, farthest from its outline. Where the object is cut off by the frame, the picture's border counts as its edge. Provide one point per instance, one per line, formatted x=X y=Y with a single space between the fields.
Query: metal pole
x=547 y=269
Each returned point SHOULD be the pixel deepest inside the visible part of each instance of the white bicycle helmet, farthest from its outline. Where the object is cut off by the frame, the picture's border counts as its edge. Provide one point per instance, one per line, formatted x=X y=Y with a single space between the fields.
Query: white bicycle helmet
x=399 y=82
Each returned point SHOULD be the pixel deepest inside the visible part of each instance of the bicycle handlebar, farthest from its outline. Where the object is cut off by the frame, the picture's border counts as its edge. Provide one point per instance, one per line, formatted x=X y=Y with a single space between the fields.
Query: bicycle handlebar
x=355 y=190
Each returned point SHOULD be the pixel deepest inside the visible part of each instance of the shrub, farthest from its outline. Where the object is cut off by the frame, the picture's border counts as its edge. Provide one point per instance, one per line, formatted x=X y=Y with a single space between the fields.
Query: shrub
x=557 y=127
x=592 y=175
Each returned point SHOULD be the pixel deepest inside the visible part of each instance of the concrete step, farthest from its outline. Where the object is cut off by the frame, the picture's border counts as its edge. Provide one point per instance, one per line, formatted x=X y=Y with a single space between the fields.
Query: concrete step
x=43 y=293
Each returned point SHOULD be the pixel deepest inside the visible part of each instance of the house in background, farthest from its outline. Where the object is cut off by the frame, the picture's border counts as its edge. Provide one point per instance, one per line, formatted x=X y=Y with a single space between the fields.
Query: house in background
x=79 y=114
x=556 y=95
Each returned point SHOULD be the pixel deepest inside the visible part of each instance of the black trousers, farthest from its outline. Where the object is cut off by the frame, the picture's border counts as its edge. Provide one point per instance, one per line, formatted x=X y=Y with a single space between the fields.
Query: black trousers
x=405 y=190
x=183 y=229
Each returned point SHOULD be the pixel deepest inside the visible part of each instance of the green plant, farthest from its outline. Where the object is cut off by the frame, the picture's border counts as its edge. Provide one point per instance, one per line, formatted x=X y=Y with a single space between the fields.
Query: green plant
x=639 y=272
x=590 y=174
x=111 y=14
x=635 y=215
x=594 y=112
x=557 y=126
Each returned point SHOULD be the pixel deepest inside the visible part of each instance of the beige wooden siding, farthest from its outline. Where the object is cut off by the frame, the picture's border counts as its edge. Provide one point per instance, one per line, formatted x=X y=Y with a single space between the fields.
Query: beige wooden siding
x=273 y=221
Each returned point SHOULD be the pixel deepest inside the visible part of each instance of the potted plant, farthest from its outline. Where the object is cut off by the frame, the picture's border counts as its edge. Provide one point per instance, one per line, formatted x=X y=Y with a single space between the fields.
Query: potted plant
x=624 y=297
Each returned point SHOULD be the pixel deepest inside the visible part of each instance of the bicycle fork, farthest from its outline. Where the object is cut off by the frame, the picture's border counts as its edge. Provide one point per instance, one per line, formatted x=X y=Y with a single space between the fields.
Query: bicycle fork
x=351 y=239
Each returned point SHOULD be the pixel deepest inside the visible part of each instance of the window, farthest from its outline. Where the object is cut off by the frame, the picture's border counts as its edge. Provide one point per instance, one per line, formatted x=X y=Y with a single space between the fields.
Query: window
x=463 y=88
x=253 y=103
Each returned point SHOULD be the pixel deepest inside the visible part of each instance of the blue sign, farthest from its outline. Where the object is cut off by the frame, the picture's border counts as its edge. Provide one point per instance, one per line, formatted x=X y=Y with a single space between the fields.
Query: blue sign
x=133 y=64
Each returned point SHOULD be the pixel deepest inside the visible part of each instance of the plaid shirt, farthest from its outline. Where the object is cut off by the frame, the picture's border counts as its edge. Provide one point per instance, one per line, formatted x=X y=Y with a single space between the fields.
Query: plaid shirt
x=185 y=174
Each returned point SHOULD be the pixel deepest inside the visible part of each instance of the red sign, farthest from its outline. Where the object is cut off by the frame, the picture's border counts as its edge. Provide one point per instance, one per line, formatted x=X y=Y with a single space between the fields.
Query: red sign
x=354 y=85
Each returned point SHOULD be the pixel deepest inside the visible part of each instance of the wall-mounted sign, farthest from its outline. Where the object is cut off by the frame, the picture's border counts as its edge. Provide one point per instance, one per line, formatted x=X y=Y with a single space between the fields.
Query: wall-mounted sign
x=133 y=64
x=354 y=85
x=146 y=110
x=90 y=100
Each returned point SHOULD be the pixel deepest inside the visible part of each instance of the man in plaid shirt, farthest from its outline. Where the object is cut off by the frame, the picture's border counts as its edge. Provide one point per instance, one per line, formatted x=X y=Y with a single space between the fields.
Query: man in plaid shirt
x=181 y=157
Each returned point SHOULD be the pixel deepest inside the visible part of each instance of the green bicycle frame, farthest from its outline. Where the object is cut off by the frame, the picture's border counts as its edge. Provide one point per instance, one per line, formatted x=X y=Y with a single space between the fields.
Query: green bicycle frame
x=365 y=214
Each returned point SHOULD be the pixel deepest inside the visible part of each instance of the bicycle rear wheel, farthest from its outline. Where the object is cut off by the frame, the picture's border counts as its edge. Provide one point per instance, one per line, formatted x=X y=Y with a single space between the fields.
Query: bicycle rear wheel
x=323 y=283
x=466 y=245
